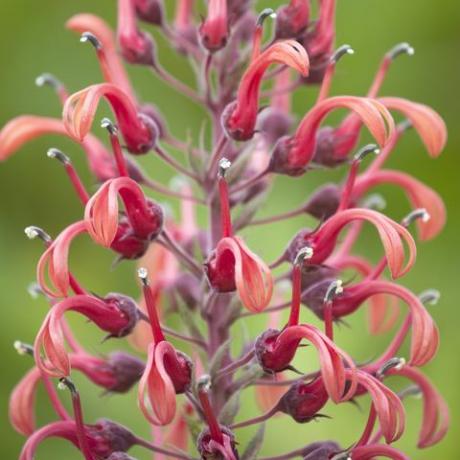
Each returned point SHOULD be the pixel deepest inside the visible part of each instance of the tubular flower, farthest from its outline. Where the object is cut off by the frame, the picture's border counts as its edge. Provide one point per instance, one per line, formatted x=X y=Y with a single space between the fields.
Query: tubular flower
x=292 y=155
x=232 y=266
x=371 y=451
x=275 y=350
x=168 y=372
x=214 y=30
x=420 y=196
x=435 y=420
x=136 y=46
x=150 y=11
x=392 y=235
x=387 y=405
x=80 y=108
x=26 y=128
x=292 y=20
x=111 y=66
x=102 y=212
x=103 y=438
x=115 y=314
x=239 y=117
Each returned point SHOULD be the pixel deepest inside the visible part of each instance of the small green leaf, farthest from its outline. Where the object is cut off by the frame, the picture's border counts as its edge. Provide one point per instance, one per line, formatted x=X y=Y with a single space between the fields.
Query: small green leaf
x=254 y=445
x=231 y=407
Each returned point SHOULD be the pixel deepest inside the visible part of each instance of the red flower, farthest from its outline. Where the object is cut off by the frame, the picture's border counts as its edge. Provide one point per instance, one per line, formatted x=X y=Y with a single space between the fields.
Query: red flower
x=292 y=19
x=167 y=372
x=80 y=108
x=293 y=154
x=371 y=451
x=111 y=66
x=102 y=212
x=420 y=196
x=214 y=30
x=240 y=116
x=233 y=266
x=115 y=314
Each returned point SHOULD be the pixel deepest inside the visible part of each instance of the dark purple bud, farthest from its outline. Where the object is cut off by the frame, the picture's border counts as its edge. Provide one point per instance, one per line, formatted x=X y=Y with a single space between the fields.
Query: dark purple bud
x=274 y=124
x=138 y=49
x=279 y=162
x=326 y=148
x=107 y=437
x=150 y=11
x=297 y=243
x=292 y=19
x=128 y=309
x=127 y=370
x=303 y=400
x=153 y=114
x=324 y=202
x=210 y=449
x=322 y=450
x=272 y=358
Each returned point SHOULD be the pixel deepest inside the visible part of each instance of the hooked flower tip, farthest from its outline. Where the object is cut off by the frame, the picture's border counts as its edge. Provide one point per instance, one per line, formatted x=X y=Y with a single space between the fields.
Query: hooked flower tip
x=33 y=232
x=334 y=289
x=393 y=363
x=224 y=166
x=88 y=37
x=401 y=48
x=265 y=14
x=58 y=155
x=340 y=52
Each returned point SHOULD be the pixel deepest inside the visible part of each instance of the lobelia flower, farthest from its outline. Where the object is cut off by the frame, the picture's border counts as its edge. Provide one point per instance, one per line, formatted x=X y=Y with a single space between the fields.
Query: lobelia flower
x=292 y=19
x=276 y=349
x=322 y=240
x=136 y=46
x=215 y=28
x=239 y=117
x=145 y=217
x=150 y=11
x=419 y=195
x=115 y=314
x=292 y=154
x=168 y=372
x=138 y=130
x=232 y=265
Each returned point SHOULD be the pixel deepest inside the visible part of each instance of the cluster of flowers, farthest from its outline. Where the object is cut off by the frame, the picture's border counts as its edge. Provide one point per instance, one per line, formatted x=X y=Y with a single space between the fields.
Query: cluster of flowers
x=209 y=275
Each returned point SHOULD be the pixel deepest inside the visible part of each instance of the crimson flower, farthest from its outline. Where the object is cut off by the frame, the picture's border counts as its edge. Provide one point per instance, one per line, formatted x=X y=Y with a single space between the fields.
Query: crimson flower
x=292 y=155
x=214 y=29
x=232 y=265
x=292 y=19
x=138 y=130
x=240 y=116
x=167 y=372
x=115 y=314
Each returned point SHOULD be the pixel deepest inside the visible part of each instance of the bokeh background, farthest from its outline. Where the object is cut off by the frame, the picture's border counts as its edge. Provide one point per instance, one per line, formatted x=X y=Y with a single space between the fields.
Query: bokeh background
x=33 y=190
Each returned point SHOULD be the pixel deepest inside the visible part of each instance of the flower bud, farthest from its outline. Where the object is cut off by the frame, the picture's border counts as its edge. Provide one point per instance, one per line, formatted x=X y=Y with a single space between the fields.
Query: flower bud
x=292 y=20
x=209 y=449
x=150 y=11
x=322 y=450
x=297 y=243
x=127 y=370
x=324 y=201
x=271 y=359
x=128 y=308
x=153 y=114
x=274 y=124
x=325 y=151
x=303 y=400
x=127 y=243
x=106 y=437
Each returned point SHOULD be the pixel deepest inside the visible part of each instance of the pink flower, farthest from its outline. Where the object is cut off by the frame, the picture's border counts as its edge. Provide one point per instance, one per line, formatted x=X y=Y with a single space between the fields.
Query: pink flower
x=371 y=451
x=80 y=108
x=418 y=193
x=240 y=116
x=102 y=212
x=292 y=155
x=214 y=30
x=115 y=314
x=292 y=19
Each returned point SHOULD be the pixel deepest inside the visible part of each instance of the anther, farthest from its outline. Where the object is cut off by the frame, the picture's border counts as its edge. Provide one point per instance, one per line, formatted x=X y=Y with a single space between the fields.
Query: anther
x=411 y=390
x=66 y=383
x=47 y=79
x=366 y=150
x=393 y=363
x=143 y=275
x=107 y=124
x=23 y=348
x=33 y=232
x=340 y=52
x=401 y=48
x=266 y=13
x=224 y=166
x=430 y=297
x=375 y=201
x=58 y=155
x=204 y=383
x=334 y=289
x=91 y=38
x=420 y=213
x=304 y=254
x=34 y=290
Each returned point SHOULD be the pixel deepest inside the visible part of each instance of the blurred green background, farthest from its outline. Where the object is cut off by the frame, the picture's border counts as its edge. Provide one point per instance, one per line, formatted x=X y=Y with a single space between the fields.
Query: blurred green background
x=33 y=190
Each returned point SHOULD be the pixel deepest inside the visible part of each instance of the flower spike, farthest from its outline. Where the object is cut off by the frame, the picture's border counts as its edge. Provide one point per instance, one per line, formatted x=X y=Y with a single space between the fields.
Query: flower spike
x=138 y=131
x=239 y=117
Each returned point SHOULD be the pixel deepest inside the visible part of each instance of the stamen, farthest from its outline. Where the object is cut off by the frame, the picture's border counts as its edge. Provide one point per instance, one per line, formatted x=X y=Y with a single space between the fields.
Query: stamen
x=23 y=348
x=334 y=289
x=33 y=232
x=401 y=48
x=204 y=386
x=257 y=39
x=365 y=151
x=416 y=214
x=224 y=166
x=375 y=201
x=47 y=79
x=430 y=297
x=225 y=214
x=340 y=52
x=265 y=14
x=35 y=290
x=305 y=253
x=393 y=363
x=71 y=173
x=91 y=38
x=151 y=300
x=116 y=146
x=411 y=390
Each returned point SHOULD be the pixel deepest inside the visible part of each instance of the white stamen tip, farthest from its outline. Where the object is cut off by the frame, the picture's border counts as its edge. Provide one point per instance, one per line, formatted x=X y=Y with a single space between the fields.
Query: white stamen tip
x=19 y=347
x=273 y=15
x=31 y=233
x=142 y=273
x=61 y=386
x=224 y=163
x=426 y=216
x=401 y=364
